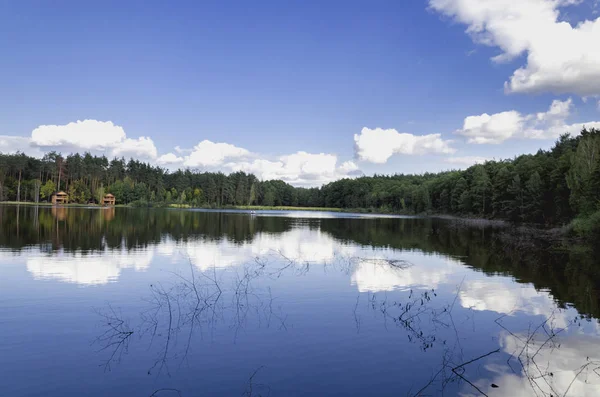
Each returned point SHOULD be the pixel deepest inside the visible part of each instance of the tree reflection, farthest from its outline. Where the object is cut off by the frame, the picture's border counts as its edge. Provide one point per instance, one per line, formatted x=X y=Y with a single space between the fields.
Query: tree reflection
x=543 y=360
x=194 y=304
x=550 y=361
x=116 y=336
x=199 y=301
x=570 y=272
x=536 y=362
x=254 y=389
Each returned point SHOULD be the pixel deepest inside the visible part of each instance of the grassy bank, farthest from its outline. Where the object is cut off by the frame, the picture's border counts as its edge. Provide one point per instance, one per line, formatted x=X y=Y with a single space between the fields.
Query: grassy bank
x=44 y=204
x=186 y=206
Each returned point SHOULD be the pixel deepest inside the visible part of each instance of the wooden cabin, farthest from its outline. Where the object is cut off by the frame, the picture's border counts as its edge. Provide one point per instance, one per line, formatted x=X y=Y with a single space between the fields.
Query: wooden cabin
x=60 y=198
x=109 y=199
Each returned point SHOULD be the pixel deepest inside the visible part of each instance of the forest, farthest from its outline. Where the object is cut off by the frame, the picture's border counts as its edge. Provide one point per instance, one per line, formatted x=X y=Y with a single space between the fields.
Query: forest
x=550 y=187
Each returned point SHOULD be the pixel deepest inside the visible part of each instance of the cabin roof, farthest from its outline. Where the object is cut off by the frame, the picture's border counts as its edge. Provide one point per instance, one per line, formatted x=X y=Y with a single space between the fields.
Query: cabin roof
x=108 y=195
x=61 y=193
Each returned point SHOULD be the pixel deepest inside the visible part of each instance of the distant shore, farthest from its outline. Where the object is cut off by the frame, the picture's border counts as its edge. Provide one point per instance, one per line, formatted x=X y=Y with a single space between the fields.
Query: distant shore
x=44 y=204
x=183 y=206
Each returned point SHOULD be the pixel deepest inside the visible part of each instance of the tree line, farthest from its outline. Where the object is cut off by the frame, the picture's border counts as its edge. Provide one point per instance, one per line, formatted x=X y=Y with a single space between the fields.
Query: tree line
x=552 y=186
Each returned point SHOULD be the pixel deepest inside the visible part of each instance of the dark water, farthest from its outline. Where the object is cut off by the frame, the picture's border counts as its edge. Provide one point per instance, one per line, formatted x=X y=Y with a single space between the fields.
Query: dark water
x=101 y=302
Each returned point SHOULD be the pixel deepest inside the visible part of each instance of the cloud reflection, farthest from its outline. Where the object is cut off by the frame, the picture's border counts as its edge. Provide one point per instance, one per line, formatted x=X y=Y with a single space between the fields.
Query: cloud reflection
x=567 y=367
x=428 y=272
x=301 y=245
x=503 y=295
x=87 y=269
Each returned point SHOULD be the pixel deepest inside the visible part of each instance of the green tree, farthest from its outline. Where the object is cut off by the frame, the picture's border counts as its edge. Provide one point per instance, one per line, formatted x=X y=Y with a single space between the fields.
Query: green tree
x=100 y=192
x=48 y=189
x=583 y=164
x=517 y=204
x=252 y=195
x=533 y=198
x=480 y=190
x=444 y=201
x=501 y=198
x=198 y=196
x=460 y=195
x=421 y=200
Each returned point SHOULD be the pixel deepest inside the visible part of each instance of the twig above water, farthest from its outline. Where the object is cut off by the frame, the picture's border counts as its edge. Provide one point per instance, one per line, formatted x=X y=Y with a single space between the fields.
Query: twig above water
x=455 y=369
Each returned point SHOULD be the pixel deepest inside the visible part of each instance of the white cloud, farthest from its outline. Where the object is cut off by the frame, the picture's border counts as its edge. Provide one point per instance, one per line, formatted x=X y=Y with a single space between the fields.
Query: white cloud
x=300 y=168
x=263 y=169
x=348 y=166
x=495 y=128
x=142 y=147
x=207 y=154
x=90 y=135
x=86 y=134
x=310 y=164
x=560 y=58
x=559 y=110
x=499 y=127
x=378 y=145
x=13 y=144
x=169 y=159
x=466 y=160
x=557 y=130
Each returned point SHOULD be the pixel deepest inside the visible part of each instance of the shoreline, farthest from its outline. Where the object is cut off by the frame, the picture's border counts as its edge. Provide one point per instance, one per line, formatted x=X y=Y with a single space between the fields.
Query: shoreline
x=181 y=206
x=554 y=235
x=556 y=231
x=73 y=205
x=472 y=220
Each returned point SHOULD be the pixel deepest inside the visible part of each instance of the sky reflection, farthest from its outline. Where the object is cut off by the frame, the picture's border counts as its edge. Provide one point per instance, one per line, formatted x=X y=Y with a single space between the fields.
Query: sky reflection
x=320 y=297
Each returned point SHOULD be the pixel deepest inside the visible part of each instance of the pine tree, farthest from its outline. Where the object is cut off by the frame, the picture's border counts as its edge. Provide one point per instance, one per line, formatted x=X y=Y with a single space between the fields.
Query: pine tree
x=480 y=190
x=501 y=199
x=517 y=204
x=445 y=201
x=533 y=198
x=459 y=194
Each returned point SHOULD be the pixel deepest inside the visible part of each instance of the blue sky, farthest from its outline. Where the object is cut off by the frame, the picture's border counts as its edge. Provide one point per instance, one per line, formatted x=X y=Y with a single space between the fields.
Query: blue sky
x=282 y=88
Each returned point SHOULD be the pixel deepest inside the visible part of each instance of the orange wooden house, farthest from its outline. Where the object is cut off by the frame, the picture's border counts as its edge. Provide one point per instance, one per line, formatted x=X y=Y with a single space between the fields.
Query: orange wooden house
x=109 y=199
x=60 y=198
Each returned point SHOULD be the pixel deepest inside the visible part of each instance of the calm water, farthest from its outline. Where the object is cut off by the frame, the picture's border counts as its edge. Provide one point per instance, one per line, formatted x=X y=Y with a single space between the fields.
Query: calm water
x=101 y=302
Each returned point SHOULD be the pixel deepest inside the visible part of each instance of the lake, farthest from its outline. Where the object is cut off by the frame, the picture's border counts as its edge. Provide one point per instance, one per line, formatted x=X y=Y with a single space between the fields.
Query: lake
x=165 y=302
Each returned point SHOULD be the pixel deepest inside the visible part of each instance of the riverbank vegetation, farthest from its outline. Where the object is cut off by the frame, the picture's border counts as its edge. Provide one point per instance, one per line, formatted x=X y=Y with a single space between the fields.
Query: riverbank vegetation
x=550 y=187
